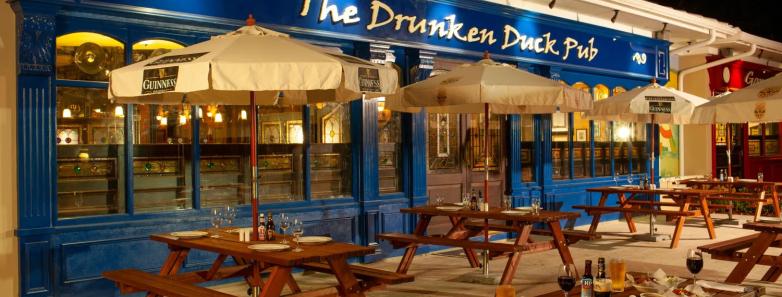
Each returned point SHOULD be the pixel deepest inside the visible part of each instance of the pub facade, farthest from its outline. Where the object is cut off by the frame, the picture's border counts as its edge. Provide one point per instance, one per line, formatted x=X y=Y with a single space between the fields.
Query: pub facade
x=96 y=178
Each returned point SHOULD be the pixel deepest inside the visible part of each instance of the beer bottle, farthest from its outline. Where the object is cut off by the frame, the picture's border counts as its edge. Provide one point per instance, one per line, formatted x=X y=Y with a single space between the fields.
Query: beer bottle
x=587 y=280
x=261 y=227
x=270 y=227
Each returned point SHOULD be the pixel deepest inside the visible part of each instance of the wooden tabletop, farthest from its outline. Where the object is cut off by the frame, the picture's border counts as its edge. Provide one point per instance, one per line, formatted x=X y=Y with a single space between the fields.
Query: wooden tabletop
x=764 y=227
x=229 y=244
x=734 y=182
x=658 y=191
x=493 y=214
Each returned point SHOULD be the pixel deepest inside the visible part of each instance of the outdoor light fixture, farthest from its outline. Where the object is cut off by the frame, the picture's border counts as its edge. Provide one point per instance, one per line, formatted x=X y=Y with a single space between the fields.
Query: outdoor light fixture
x=119 y=112
x=66 y=113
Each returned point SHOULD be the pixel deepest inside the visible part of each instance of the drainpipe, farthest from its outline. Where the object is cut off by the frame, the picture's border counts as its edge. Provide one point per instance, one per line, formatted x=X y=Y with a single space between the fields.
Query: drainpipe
x=686 y=48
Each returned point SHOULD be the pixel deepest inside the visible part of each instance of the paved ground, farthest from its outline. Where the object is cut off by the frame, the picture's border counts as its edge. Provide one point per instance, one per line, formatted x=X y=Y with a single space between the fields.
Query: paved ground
x=436 y=273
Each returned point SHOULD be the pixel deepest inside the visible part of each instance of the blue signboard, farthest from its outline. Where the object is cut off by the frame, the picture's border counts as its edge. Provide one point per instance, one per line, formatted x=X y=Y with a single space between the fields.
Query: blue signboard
x=465 y=25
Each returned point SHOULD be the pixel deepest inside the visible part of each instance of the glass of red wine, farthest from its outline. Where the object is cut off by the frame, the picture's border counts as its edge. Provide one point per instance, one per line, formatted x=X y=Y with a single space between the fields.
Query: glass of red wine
x=694 y=262
x=567 y=278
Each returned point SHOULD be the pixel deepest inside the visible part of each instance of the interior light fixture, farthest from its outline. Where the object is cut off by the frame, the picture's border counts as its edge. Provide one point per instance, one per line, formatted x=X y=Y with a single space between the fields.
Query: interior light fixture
x=381 y=104
x=243 y=114
x=164 y=121
x=182 y=120
x=119 y=111
x=218 y=117
x=623 y=133
x=66 y=113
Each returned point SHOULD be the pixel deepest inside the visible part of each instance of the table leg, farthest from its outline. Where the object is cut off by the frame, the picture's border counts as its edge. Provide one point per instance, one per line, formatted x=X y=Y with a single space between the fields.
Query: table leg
x=628 y=216
x=407 y=259
x=456 y=230
x=677 y=233
x=174 y=261
x=515 y=257
x=751 y=257
x=775 y=200
x=560 y=242
x=277 y=280
x=348 y=284
x=215 y=266
x=707 y=216
x=758 y=211
x=773 y=273
x=596 y=216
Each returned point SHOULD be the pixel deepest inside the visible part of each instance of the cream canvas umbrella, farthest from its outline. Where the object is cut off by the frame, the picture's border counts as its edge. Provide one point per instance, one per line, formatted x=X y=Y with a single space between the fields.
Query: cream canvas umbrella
x=489 y=87
x=760 y=102
x=649 y=104
x=251 y=66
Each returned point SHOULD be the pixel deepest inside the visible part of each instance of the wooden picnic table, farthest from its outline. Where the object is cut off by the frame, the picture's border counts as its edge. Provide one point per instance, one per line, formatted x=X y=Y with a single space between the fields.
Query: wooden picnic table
x=771 y=189
x=629 y=291
x=687 y=200
x=463 y=229
x=330 y=257
x=770 y=235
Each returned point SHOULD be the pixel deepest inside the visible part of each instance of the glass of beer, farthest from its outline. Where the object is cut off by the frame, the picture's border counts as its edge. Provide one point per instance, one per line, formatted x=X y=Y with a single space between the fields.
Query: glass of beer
x=617 y=268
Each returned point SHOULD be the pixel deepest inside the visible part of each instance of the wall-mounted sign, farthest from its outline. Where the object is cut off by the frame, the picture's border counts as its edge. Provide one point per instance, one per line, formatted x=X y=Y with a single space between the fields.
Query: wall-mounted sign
x=467 y=25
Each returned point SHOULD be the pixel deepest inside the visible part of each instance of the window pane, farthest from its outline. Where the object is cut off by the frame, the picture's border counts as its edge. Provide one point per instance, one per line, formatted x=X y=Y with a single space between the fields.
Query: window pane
x=90 y=137
x=389 y=137
x=560 y=154
x=330 y=158
x=601 y=135
x=527 y=148
x=477 y=136
x=640 y=154
x=162 y=154
x=622 y=139
x=582 y=157
x=150 y=48
x=443 y=142
x=225 y=154
x=754 y=139
x=771 y=138
x=88 y=56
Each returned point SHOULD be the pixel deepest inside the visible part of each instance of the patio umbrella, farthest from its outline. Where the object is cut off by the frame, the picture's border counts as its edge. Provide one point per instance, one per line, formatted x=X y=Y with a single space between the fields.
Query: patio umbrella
x=760 y=102
x=486 y=87
x=251 y=66
x=650 y=104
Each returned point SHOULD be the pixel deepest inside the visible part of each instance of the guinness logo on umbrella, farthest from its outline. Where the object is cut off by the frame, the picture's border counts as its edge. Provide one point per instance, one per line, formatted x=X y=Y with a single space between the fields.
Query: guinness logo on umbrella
x=159 y=80
x=770 y=91
x=369 y=80
x=760 y=110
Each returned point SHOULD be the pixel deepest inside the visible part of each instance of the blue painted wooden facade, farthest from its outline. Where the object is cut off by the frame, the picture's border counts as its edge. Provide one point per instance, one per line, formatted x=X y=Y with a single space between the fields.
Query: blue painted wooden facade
x=64 y=257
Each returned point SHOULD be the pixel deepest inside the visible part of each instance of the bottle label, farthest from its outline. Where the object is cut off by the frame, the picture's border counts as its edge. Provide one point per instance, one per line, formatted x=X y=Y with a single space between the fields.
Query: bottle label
x=262 y=233
x=586 y=288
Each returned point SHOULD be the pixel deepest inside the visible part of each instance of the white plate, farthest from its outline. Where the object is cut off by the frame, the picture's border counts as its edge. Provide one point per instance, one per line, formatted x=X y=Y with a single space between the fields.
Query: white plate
x=314 y=240
x=524 y=208
x=189 y=234
x=269 y=247
x=449 y=208
x=630 y=186
x=514 y=212
x=458 y=203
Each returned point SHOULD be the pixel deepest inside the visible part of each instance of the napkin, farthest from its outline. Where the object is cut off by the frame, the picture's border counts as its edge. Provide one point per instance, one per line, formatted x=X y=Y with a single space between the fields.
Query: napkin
x=697 y=290
x=723 y=286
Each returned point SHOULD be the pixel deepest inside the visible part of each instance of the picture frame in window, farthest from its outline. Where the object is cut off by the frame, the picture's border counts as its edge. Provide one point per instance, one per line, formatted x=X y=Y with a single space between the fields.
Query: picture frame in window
x=581 y=135
x=107 y=135
x=559 y=122
x=271 y=132
x=295 y=131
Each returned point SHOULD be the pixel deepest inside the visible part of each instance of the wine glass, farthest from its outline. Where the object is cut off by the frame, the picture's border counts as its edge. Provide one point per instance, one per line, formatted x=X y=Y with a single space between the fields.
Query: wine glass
x=694 y=262
x=616 y=180
x=465 y=200
x=567 y=278
x=229 y=213
x=217 y=219
x=284 y=224
x=298 y=231
x=629 y=179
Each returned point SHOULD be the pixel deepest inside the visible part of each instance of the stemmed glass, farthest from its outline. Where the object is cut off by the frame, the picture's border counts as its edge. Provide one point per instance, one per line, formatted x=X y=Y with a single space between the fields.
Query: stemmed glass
x=466 y=200
x=629 y=179
x=567 y=278
x=217 y=219
x=298 y=231
x=229 y=213
x=536 y=206
x=694 y=262
x=616 y=180
x=284 y=224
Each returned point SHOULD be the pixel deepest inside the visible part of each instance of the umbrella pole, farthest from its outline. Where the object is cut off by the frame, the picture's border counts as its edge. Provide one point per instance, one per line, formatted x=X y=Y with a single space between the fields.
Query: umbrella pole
x=254 y=165
x=729 y=146
x=651 y=175
x=486 y=185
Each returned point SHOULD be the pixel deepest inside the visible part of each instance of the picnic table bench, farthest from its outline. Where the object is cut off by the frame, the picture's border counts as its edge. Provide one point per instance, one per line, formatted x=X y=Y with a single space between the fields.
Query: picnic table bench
x=770 y=188
x=690 y=203
x=464 y=227
x=769 y=235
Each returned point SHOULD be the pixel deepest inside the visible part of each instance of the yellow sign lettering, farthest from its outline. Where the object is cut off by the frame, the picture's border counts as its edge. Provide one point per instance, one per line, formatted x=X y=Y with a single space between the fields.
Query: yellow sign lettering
x=376 y=7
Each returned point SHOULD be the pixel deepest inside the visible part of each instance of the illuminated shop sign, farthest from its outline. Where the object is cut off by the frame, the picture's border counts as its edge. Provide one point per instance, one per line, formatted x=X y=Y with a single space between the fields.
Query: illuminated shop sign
x=474 y=26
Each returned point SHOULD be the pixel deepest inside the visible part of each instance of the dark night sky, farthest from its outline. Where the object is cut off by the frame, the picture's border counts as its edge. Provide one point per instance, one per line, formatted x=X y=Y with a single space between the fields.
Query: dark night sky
x=759 y=17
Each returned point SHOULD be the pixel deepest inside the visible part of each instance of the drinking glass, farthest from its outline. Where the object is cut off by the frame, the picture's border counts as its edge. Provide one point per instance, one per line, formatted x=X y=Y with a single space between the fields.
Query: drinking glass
x=694 y=262
x=567 y=278
x=506 y=202
x=536 y=206
x=217 y=219
x=629 y=179
x=284 y=224
x=466 y=200
x=298 y=230
x=616 y=180
x=618 y=269
x=229 y=213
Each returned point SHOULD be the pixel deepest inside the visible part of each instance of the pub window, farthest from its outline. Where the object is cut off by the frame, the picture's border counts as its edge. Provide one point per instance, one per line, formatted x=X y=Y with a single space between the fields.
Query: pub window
x=90 y=129
x=560 y=153
x=443 y=142
x=330 y=154
x=224 y=133
x=280 y=153
x=623 y=135
x=619 y=90
x=162 y=157
x=601 y=135
x=88 y=56
x=389 y=140
x=89 y=140
x=527 y=148
x=582 y=157
x=477 y=136
x=763 y=139
x=640 y=153
x=150 y=48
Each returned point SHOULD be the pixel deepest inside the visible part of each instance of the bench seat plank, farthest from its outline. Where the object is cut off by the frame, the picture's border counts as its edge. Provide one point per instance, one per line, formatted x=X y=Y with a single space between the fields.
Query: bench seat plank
x=160 y=285
x=572 y=236
x=411 y=240
x=364 y=273
x=603 y=209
